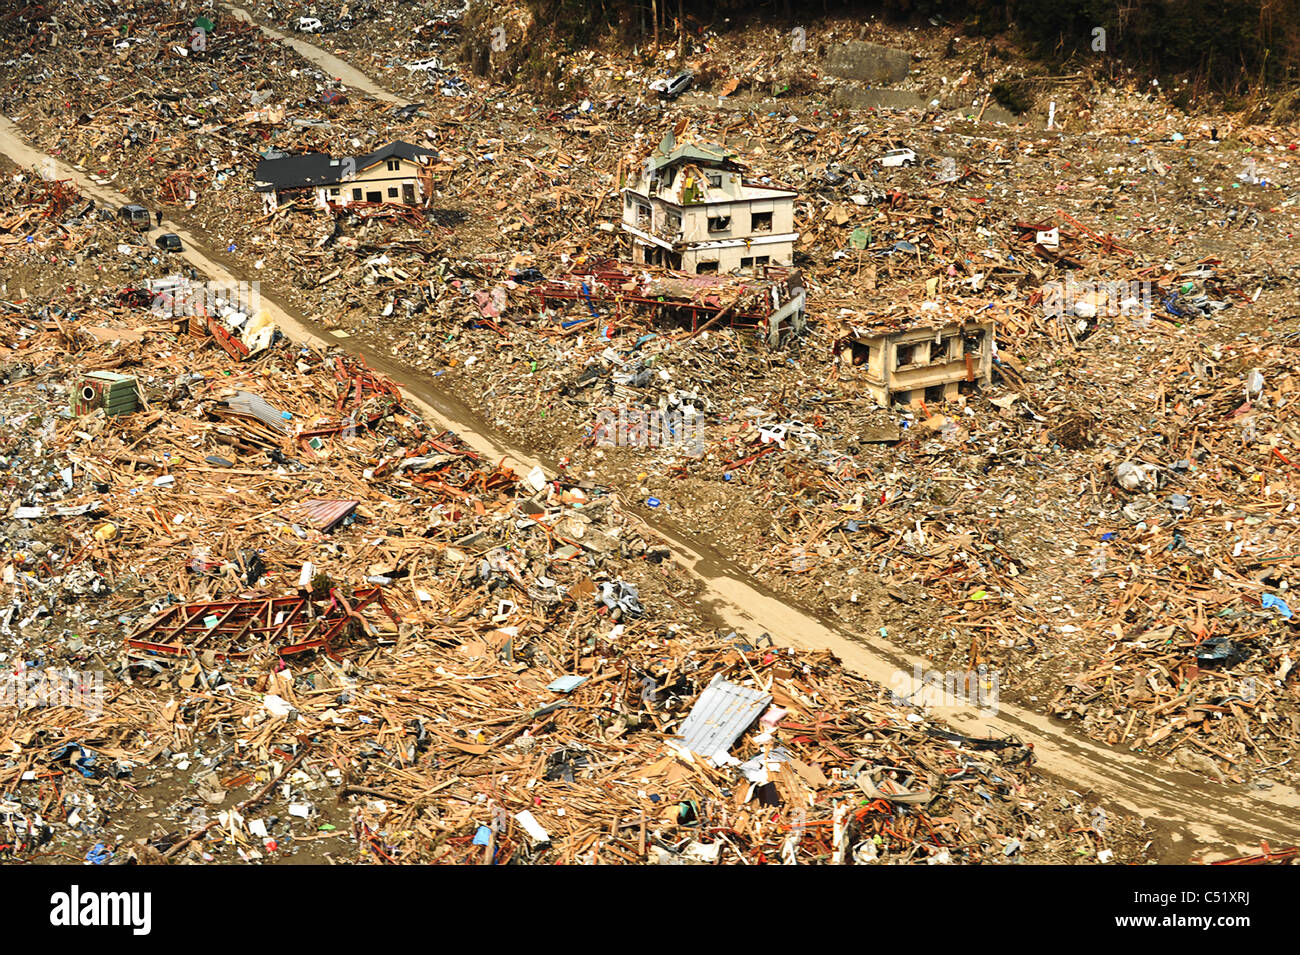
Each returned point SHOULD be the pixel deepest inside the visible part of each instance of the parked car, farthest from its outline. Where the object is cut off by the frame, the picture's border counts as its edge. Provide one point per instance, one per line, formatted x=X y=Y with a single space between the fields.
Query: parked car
x=169 y=242
x=898 y=157
x=309 y=25
x=674 y=86
x=135 y=216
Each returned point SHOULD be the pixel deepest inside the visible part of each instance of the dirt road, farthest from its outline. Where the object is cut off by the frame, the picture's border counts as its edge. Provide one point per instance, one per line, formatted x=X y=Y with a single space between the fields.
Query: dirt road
x=1194 y=818
x=332 y=65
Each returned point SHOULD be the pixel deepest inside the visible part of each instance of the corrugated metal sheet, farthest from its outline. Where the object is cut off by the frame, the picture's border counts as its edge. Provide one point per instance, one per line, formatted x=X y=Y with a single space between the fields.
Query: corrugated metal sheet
x=245 y=402
x=321 y=514
x=566 y=684
x=723 y=711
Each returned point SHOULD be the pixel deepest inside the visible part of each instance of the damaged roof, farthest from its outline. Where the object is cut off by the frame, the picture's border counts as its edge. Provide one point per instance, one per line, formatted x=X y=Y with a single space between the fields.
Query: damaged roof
x=320 y=169
x=721 y=714
x=709 y=154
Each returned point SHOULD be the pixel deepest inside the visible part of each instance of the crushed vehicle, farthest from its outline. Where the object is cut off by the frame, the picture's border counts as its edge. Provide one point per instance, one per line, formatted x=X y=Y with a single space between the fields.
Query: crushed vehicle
x=423 y=66
x=232 y=316
x=674 y=86
x=898 y=157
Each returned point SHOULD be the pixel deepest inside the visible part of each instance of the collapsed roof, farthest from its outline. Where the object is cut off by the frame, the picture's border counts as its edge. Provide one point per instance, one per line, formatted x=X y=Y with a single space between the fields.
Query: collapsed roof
x=320 y=169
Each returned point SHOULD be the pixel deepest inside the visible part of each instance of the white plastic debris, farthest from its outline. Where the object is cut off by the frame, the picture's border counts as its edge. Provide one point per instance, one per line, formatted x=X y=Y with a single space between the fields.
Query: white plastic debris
x=532 y=826
x=1135 y=477
x=276 y=706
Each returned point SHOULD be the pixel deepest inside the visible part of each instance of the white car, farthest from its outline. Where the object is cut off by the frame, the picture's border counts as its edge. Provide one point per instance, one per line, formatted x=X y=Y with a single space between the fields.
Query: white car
x=423 y=66
x=673 y=87
x=898 y=157
x=309 y=25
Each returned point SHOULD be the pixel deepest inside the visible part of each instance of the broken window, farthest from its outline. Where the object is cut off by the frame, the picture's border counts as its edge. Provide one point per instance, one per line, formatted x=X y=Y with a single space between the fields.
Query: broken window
x=904 y=355
x=747 y=262
x=356 y=194
x=706 y=268
x=901 y=397
x=673 y=221
x=974 y=343
x=934 y=394
x=715 y=179
x=642 y=216
x=719 y=223
x=334 y=192
x=762 y=260
x=760 y=222
x=943 y=350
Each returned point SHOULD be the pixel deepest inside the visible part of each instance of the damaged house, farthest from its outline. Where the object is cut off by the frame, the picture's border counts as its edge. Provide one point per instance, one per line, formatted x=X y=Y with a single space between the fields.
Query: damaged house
x=774 y=303
x=396 y=173
x=689 y=207
x=931 y=360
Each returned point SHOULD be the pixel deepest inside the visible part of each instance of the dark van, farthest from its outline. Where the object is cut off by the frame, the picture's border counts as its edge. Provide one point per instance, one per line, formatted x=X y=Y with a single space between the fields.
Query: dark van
x=135 y=216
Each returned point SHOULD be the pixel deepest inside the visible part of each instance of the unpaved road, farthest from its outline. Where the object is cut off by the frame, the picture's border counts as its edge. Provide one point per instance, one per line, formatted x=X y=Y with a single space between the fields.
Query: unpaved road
x=332 y=65
x=1195 y=819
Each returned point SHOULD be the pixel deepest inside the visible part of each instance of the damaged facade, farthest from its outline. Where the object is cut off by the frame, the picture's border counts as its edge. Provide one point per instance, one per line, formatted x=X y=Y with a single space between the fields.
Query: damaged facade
x=689 y=207
x=396 y=173
x=911 y=363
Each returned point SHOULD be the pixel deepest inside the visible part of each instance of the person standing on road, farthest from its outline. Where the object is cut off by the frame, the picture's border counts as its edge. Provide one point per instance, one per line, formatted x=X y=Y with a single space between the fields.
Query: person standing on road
x=158 y=213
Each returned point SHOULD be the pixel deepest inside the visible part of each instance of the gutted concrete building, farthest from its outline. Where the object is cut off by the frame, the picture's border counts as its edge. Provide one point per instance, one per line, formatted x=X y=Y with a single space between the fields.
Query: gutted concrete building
x=689 y=207
x=931 y=360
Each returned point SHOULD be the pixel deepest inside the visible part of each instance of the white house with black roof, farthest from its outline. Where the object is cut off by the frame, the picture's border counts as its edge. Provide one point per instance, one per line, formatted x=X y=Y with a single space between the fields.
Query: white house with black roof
x=396 y=173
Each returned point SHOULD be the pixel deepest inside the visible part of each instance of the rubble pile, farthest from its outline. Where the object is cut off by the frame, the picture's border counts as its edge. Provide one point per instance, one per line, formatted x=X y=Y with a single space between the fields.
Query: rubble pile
x=368 y=641
x=340 y=625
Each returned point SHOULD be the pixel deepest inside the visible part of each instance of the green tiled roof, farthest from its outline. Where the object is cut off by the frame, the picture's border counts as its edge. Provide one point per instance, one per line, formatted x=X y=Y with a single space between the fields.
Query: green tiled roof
x=668 y=152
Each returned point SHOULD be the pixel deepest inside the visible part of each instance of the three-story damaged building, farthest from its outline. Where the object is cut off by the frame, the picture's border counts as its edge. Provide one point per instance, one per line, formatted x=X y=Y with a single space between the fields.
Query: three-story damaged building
x=690 y=207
